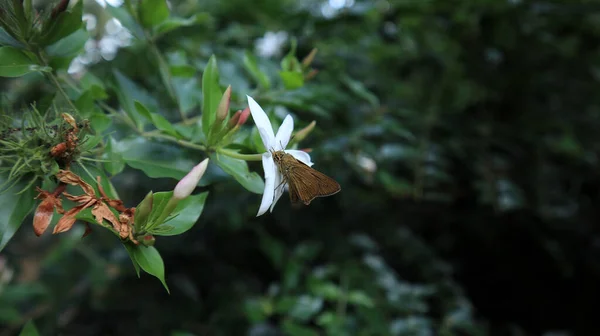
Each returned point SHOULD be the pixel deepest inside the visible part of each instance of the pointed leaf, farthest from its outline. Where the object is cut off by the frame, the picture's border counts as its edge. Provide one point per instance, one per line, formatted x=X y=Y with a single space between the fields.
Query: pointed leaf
x=151 y=262
x=13 y=211
x=187 y=213
x=153 y=12
x=211 y=94
x=29 y=329
x=14 y=63
x=65 y=24
x=239 y=170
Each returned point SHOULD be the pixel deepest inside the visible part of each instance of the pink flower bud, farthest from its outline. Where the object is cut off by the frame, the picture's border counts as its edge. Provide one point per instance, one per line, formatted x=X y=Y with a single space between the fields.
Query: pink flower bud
x=234 y=120
x=244 y=116
x=223 y=108
x=187 y=184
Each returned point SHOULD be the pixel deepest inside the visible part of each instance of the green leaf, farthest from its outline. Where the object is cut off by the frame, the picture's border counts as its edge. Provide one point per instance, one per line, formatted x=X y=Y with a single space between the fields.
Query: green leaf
x=65 y=24
x=143 y=211
x=13 y=211
x=250 y=63
x=156 y=119
x=187 y=213
x=360 y=90
x=69 y=46
x=150 y=261
x=9 y=315
x=359 y=298
x=292 y=328
x=100 y=121
x=130 y=248
x=159 y=203
x=184 y=70
x=7 y=40
x=173 y=23
x=89 y=82
x=292 y=80
x=115 y=163
x=128 y=92
x=306 y=307
x=211 y=94
x=239 y=170
x=14 y=63
x=153 y=12
x=29 y=329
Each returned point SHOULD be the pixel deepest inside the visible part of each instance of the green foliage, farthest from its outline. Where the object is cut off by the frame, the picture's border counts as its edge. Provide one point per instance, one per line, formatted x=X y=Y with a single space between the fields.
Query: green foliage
x=463 y=135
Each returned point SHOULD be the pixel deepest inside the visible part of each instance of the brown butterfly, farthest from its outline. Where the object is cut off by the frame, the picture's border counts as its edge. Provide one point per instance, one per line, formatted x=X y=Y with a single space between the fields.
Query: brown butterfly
x=305 y=183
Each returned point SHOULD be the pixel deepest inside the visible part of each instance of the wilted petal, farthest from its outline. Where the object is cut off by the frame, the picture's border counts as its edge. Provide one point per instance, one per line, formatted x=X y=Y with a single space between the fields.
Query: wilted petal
x=270 y=176
x=102 y=212
x=71 y=178
x=43 y=215
x=64 y=224
x=284 y=133
x=262 y=123
x=300 y=155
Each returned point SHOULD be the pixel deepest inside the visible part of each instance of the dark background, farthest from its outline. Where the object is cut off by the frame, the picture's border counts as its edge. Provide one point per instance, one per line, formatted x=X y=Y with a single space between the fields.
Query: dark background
x=475 y=214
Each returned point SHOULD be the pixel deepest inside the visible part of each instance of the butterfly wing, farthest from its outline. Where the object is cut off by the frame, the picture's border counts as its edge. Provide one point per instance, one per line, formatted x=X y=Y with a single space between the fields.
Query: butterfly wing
x=306 y=184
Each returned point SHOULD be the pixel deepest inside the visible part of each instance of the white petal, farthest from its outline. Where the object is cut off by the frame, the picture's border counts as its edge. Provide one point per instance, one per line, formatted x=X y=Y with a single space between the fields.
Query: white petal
x=279 y=188
x=265 y=129
x=284 y=133
x=270 y=175
x=300 y=155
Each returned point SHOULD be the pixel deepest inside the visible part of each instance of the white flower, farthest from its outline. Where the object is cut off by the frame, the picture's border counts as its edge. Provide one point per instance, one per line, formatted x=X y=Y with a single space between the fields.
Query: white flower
x=271 y=44
x=272 y=142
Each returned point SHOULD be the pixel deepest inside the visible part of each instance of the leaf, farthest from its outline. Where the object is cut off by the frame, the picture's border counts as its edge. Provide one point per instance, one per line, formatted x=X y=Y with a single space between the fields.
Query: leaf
x=360 y=90
x=306 y=307
x=187 y=213
x=184 y=70
x=69 y=46
x=115 y=163
x=13 y=211
x=211 y=94
x=239 y=170
x=130 y=248
x=156 y=119
x=7 y=40
x=89 y=82
x=65 y=24
x=292 y=80
x=14 y=63
x=250 y=63
x=175 y=22
x=128 y=92
x=29 y=329
x=359 y=298
x=292 y=328
x=100 y=121
x=152 y=12
x=150 y=261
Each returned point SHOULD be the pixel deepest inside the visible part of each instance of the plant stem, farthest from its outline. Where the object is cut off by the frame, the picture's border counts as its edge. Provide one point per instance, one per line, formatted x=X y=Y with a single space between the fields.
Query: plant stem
x=236 y=155
x=183 y=143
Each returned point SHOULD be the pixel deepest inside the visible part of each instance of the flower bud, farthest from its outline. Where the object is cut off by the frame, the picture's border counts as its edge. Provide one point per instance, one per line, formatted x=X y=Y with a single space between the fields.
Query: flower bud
x=59 y=8
x=223 y=109
x=234 y=120
x=244 y=116
x=301 y=134
x=143 y=210
x=187 y=184
x=148 y=240
x=309 y=58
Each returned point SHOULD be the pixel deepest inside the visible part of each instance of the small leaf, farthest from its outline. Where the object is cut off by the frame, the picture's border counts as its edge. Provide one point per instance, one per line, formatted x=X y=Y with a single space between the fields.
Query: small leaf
x=150 y=261
x=65 y=24
x=29 y=329
x=69 y=46
x=7 y=40
x=239 y=170
x=185 y=71
x=292 y=80
x=211 y=94
x=152 y=12
x=156 y=119
x=143 y=211
x=360 y=90
x=306 y=307
x=115 y=163
x=292 y=328
x=360 y=298
x=14 y=63
x=13 y=211
x=173 y=23
x=187 y=213
x=128 y=92
x=130 y=248
x=250 y=63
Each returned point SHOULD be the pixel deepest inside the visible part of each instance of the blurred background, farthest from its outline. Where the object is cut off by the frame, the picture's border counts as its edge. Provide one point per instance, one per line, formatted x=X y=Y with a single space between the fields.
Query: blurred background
x=464 y=135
